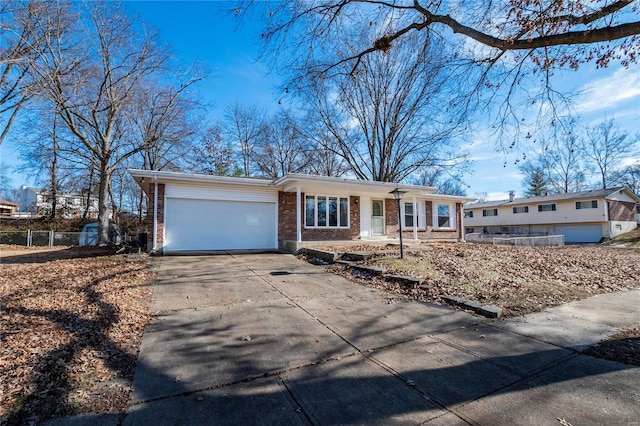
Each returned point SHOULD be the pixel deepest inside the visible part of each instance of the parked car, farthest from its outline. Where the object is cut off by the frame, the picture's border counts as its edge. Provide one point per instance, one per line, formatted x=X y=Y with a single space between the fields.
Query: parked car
x=89 y=234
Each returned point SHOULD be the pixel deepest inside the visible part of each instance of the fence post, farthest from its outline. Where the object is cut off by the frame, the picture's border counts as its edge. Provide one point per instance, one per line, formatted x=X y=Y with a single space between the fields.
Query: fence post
x=29 y=238
x=51 y=238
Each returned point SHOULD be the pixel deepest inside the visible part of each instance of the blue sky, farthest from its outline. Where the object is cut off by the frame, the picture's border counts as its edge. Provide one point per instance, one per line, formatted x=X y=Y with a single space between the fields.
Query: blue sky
x=207 y=31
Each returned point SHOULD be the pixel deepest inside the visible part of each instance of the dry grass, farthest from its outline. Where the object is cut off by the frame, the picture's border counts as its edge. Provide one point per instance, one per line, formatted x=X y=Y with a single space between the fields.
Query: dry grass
x=628 y=239
x=71 y=323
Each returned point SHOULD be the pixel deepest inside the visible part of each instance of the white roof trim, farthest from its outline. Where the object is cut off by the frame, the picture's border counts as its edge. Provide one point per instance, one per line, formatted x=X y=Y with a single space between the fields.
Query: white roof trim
x=162 y=176
x=292 y=182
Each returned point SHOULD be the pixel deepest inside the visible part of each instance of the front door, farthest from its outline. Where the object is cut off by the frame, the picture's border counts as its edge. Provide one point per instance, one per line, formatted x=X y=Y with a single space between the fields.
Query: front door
x=377 y=217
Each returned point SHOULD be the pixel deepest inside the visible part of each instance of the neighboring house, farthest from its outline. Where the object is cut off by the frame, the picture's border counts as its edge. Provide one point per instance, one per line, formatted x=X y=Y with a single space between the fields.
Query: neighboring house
x=582 y=217
x=7 y=208
x=39 y=203
x=188 y=212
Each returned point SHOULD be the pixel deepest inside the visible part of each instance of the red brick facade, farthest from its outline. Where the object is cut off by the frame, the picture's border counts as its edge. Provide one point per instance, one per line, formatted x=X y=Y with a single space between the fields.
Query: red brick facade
x=287 y=221
x=150 y=215
x=428 y=233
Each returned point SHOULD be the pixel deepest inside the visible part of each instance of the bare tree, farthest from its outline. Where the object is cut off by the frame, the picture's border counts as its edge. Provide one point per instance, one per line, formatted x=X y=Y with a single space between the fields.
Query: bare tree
x=447 y=177
x=506 y=51
x=563 y=164
x=163 y=121
x=93 y=85
x=211 y=155
x=244 y=126
x=605 y=145
x=629 y=177
x=546 y=33
x=393 y=116
x=281 y=150
x=5 y=181
x=24 y=25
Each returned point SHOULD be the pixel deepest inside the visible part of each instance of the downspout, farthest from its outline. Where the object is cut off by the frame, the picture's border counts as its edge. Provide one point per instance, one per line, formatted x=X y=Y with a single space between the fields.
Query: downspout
x=155 y=213
x=298 y=215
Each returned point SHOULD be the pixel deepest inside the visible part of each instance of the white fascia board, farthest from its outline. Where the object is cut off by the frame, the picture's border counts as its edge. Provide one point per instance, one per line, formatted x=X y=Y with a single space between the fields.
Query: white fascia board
x=165 y=177
x=326 y=184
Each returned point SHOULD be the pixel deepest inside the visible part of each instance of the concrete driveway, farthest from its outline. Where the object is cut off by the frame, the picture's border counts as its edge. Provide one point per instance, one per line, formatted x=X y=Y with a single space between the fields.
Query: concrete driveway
x=270 y=339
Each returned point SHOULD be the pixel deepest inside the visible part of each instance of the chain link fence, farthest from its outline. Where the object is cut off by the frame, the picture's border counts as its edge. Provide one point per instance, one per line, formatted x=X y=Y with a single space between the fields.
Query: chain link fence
x=546 y=241
x=516 y=240
x=39 y=238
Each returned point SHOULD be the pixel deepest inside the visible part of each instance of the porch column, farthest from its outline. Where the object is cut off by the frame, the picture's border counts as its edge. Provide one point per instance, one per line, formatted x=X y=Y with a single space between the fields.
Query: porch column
x=298 y=215
x=155 y=212
x=462 y=223
x=415 y=218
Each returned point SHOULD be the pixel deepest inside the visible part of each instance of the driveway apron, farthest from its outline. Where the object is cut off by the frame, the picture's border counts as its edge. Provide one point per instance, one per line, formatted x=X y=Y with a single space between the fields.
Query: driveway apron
x=270 y=339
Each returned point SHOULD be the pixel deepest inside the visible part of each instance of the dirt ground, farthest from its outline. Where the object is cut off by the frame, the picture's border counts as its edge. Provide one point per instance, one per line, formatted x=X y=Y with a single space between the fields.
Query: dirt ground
x=71 y=321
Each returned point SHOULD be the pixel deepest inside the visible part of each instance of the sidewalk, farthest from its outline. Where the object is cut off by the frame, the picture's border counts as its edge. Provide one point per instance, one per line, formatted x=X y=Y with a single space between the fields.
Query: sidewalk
x=269 y=339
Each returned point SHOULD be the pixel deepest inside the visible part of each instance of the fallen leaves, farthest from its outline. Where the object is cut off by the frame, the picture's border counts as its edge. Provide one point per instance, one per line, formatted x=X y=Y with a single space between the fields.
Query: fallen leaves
x=71 y=328
x=518 y=280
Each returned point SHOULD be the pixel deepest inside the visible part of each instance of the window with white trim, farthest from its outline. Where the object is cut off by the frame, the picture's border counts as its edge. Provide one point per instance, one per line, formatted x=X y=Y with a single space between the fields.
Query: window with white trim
x=489 y=212
x=326 y=212
x=520 y=209
x=444 y=216
x=468 y=214
x=591 y=204
x=408 y=215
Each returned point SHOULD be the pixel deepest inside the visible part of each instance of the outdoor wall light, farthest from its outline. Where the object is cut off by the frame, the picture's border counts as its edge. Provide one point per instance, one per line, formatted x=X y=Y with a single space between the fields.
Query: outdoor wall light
x=398 y=194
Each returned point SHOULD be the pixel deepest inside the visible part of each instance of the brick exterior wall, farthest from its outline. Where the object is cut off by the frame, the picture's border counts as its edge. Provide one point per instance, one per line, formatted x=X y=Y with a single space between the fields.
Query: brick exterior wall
x=287 y=221
x=150 y=214
x=391 y=218
x=287 y=216
x=622 y=211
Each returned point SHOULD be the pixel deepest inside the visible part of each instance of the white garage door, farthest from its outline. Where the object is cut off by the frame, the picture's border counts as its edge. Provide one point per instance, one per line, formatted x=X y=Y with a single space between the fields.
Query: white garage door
x=580 y=233
x=219 y=225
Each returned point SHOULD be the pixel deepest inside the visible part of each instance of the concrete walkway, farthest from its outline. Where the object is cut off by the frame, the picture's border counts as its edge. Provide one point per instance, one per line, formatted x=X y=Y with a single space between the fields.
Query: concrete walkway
x=269 y=339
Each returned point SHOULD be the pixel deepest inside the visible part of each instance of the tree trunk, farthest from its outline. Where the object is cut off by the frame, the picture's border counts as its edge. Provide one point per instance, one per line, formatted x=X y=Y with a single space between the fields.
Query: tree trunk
x=103 y=205
x=54 y=172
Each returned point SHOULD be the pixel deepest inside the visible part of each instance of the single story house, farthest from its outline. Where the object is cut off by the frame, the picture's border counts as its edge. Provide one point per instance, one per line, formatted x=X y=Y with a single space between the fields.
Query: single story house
x=192 y=212
x=582 y=217
x=7 y=208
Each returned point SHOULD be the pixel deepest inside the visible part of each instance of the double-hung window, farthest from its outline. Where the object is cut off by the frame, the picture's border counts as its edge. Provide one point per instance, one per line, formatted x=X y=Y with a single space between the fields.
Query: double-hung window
x=326 y=212
x=444 y=216
x=408 y=214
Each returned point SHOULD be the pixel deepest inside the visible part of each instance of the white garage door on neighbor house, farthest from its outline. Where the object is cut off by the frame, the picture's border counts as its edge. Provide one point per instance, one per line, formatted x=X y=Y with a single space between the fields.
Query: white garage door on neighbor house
x=197 y=223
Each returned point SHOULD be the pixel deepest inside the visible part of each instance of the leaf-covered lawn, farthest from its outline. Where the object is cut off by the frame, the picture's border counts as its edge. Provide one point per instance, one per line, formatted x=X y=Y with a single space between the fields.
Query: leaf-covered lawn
x=519 y=280
x=71 y=322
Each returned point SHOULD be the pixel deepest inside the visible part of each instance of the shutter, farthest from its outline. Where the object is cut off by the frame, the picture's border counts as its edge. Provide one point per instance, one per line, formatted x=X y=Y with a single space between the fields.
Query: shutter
x=422 y=215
